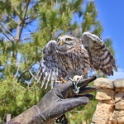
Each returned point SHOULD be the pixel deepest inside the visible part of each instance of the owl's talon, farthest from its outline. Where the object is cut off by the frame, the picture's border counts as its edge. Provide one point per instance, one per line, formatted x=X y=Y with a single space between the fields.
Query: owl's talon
x=77 y=78
x=62 y=80
x=75 y=83
x=68 y=78
x=76 y=88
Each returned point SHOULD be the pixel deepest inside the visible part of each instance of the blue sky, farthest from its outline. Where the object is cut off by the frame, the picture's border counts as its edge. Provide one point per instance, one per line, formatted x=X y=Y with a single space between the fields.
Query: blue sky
x=111 y=14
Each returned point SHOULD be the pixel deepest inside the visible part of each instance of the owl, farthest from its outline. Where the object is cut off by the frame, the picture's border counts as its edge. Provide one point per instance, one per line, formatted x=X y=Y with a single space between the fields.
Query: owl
x=70 y=56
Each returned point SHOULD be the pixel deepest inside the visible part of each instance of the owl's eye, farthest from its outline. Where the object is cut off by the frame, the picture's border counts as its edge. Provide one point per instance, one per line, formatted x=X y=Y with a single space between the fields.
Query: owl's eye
x=68 y=39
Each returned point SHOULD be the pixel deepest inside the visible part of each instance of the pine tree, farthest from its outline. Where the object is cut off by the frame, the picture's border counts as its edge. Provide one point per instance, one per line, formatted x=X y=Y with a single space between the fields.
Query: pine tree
x=25 y=27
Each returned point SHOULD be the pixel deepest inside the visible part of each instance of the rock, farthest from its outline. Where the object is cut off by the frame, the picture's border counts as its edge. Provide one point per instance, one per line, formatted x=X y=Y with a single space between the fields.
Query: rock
x=120 y=104
x=120 y=117
x=104 y=83
x=104 y=94
x=119 y=83
x=119 y=89
x=103 y=113
x=119 y=96
x=110 y=107
x=112 y=102
x=113 y=118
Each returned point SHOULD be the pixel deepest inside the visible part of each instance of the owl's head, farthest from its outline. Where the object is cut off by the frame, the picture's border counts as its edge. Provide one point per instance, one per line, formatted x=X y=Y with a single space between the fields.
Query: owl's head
x=65 y=43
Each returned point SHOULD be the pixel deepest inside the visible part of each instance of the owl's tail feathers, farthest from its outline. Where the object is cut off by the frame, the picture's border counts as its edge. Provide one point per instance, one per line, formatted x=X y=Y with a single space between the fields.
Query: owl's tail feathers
x=45 y=76
x=46 y=79
x=38 y=75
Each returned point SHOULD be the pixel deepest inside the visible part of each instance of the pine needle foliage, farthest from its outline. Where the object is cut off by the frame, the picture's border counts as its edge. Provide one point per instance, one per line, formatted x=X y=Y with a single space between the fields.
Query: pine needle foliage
x=25 y=27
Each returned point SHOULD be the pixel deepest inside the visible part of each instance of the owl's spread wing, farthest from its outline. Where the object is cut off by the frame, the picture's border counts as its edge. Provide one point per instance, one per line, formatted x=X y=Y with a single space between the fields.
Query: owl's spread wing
x=49 y=70
x=100 y=56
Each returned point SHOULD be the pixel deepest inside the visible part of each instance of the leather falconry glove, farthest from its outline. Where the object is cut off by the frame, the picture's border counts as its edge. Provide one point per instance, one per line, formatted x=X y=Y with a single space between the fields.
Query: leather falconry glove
x=56 y=102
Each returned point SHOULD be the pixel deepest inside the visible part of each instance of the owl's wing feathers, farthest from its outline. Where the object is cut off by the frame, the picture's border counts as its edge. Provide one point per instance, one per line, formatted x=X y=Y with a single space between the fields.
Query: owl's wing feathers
x=100 y=56
x=49 y=70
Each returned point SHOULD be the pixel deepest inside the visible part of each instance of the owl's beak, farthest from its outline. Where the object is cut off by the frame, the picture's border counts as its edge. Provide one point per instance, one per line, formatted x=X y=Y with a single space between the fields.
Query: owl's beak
x=61 y=43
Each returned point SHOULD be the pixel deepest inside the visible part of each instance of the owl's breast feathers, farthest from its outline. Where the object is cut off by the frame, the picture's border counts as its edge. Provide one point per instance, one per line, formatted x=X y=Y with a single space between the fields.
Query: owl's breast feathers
x=75 y=60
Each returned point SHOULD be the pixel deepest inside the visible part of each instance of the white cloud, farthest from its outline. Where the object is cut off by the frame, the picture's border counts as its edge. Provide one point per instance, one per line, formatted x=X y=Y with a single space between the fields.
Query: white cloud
x=117 y=75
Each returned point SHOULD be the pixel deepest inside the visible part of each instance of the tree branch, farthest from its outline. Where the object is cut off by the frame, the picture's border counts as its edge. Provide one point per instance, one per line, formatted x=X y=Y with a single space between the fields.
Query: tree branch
x=24 y=72
x=11 y=18
x=7 y=31
x=23 y=21
x=32 y=75
x=16 y=10
x=26 y=33
x=18 y=29
x=7 y=37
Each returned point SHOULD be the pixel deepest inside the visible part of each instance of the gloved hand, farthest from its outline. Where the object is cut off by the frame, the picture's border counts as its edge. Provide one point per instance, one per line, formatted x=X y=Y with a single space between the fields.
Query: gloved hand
x=56 y=102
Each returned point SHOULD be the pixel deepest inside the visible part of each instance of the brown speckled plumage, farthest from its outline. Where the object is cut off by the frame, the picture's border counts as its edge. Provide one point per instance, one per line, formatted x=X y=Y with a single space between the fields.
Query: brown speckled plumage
x=71 y=56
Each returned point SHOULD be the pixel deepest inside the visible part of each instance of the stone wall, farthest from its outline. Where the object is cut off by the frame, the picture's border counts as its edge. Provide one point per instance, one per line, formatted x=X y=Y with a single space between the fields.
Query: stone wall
x=110 y=107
